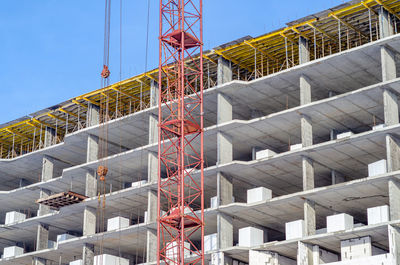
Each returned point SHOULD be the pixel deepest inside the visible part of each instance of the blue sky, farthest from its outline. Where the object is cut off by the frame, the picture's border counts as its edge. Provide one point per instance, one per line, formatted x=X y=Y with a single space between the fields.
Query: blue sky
x=52 y=50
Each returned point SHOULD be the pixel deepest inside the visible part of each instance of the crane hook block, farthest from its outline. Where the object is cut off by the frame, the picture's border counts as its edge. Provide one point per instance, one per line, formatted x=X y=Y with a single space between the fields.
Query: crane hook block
x=106 y=72
x=102 y=172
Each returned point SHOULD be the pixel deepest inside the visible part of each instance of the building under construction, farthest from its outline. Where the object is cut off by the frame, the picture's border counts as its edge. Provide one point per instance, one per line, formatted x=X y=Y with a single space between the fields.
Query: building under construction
x=301 y=155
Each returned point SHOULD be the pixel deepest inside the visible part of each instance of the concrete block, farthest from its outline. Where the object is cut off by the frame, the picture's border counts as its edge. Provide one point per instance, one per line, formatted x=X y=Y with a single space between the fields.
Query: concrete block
x=117 y=223
x=264 y=154
x=321 y=256
x=378 y=127
x=377 y=168
x=344 y=135
x=12 y=251
x=379 y=214
x=339 y=222
x=258 y=194
x=210 y=242
x=172 y=250
x=138 y=184
x=14 y=217
x=63 y=237
x=250 y=237
x=106 y=259
x=295 y=229
x=294 y=147
x=76 y=262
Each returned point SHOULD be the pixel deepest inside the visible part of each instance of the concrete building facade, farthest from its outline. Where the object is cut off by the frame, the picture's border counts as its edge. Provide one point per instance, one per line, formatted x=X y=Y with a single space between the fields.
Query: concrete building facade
x=302 y=167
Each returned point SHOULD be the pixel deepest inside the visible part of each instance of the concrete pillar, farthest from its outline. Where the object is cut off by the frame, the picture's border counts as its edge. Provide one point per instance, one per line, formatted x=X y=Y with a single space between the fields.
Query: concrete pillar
x=224 y=148
x=304 y=50
x=47 y=174
x=93 y=115
x=385 y=23
x=304 y=254
x=89 y=221
x=309 y=217
x=388 y=64
x=47 y=168
x=153 y=129
x=89 y=214
x=49 y=137
x=224 y=231
x=224 y=108
x=308 y=173
x=224 y=73
x=305 y=90
x=152 y=206
x=42 y=237
x=392 y=152
x=394 y=243
x=43 y=209
x=391 y=107
x=88 y=254
x=224 y=189
x=152 y=245
x=154 y=91
x=306 y=131
x=394 y=199
x=91 y=155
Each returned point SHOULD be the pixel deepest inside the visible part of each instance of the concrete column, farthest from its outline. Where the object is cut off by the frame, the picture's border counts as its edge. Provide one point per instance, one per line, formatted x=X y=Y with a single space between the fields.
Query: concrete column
x=309 y=217
x=308 y=173
x=394 y=199
x=394 y=243
x=306 y=131
x=392 y=152
x=93 y=115
x=89 y=221
x=304 y=50
x=224 y=148
x=49 y=137
x=91 y=155
x=88 y=254
x=42 y=237
x=152 y=245
x=391 y=107
x=224 y=108
x=152 y=206
x=304 y=254
x=153 y=93
x=89 y=214
x=47 y=174
x=43 y=209
x=388 y=64
x=47 y=168
x=385 y=23
x=152 y=176
x=305 y=90
x=224 y=231
x=224 y=74
x=153 y=129
x=224 y=189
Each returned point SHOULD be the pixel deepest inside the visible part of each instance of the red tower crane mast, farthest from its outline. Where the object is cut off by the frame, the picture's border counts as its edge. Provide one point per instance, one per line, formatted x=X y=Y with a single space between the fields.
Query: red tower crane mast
x=180 y=143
